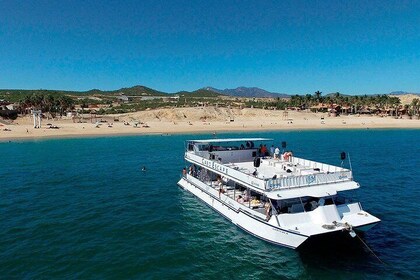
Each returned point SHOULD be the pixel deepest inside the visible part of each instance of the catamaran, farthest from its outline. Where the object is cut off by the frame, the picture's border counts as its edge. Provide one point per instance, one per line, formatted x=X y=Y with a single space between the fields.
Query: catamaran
x=273 y=194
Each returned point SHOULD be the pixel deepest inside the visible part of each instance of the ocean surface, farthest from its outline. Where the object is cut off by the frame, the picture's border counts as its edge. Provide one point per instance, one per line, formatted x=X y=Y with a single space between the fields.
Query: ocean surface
x=82 y=208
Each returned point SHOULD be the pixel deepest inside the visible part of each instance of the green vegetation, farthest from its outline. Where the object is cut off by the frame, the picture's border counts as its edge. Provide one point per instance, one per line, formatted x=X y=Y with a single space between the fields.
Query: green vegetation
x=47 y=102
x=139 y=98
x=336 y=99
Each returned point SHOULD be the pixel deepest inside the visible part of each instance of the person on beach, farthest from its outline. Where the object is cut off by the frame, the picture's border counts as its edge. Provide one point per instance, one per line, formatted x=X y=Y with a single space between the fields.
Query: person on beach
x=272 y=150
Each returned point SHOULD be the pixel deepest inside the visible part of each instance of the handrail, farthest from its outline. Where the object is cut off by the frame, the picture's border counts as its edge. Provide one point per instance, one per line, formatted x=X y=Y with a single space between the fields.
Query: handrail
x=333 y=174
x=247 y=179
x=314 y=164
x=308 y=180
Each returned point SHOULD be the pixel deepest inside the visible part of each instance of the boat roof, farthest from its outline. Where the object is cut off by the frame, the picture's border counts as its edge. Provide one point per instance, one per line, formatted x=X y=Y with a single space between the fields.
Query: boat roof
x=225 y=140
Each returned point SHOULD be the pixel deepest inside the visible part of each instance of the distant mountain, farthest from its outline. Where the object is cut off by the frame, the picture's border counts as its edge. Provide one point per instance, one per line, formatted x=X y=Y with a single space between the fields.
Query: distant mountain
x=247 y=92
x=136 y=90
x=131 y=91
x=141 y=90
x=200 y=93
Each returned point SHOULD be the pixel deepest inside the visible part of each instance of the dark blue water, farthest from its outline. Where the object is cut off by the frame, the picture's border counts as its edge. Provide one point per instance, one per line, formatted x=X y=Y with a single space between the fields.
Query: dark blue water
x=82 y=208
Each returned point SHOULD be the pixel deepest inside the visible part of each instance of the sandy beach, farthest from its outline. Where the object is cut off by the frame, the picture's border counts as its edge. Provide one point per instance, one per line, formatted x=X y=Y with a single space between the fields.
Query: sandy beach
x=194 y=120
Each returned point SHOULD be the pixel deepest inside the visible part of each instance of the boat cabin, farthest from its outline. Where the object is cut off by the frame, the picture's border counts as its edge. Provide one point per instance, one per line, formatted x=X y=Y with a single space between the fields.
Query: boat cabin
x=250 y=173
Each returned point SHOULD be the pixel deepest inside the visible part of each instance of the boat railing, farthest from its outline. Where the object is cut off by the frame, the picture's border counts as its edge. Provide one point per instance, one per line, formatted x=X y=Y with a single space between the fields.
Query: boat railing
x=314 y=164
x=308 y=180
x=330 y=174
x=228 y=171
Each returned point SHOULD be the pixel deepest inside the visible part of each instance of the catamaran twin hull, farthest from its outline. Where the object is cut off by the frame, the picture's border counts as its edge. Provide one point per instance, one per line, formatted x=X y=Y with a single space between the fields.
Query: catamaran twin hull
x=276 y=208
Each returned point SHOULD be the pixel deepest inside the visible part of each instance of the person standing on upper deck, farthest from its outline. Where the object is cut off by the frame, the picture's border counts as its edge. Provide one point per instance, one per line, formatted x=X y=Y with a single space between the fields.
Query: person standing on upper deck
x=276 y=152
x=263 y=150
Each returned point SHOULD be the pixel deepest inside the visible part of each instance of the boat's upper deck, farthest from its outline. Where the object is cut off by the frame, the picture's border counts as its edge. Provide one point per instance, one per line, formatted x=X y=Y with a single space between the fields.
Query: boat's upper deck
x=239 y=160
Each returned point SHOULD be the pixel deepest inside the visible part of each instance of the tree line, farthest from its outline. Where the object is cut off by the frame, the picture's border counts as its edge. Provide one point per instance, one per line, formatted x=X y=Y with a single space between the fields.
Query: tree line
x=58 y=103
x=52 y=103
x=308 y=100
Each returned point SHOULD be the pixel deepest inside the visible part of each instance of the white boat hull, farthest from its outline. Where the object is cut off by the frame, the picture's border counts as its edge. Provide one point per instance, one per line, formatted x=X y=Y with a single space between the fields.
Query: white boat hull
x=303 y=194
x=245 y=221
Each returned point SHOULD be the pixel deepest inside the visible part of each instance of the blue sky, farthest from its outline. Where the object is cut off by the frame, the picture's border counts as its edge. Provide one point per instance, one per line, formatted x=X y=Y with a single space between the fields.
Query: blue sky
x=354 y=47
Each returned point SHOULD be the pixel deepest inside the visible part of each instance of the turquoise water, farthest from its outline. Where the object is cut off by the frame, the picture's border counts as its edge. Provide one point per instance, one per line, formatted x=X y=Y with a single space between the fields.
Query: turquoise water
x=82 y=208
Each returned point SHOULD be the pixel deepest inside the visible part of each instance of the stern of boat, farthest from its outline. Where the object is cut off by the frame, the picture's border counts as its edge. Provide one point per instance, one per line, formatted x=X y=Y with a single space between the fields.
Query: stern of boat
x=330 y=218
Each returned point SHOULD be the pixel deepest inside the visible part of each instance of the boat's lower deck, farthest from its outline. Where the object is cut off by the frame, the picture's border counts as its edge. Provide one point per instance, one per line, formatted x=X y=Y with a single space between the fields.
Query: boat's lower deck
x=250 y=221
x=294 y=220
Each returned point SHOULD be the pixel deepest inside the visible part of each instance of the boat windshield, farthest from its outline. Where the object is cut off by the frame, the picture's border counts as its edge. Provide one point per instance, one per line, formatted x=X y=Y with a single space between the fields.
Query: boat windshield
x=227 y=144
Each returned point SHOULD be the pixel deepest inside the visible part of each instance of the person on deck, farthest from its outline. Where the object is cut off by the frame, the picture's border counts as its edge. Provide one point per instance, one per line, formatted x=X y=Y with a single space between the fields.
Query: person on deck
x=267 y=207
x=276 y=152
x=263 y=150
x=240 y=199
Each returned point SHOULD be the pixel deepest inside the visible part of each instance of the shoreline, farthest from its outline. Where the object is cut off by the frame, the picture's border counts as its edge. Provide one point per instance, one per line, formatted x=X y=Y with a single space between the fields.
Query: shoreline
x=196 y=121
x=123 y=134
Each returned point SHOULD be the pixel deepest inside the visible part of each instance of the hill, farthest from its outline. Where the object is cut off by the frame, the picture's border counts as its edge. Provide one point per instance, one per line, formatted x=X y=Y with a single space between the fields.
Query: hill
x=248 y=92
x=200 y=93
x=403 y=93
x=406 y=99
x=131 y=91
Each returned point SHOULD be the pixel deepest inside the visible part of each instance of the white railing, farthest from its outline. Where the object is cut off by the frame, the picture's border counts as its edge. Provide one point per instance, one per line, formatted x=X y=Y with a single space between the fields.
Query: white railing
x=314 y=164
x=308 y=180
x=332 y=174
x=229 y=172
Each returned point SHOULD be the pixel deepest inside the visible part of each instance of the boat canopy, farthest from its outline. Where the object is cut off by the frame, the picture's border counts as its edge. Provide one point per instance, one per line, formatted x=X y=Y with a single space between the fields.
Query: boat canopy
x=225 y=140
x=313 y=191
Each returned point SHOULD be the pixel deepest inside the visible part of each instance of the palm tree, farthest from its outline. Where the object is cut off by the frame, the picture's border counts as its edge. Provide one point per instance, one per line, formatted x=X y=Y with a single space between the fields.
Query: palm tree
x=65 y=102
x=308 y=101
x=318 y=95
x=47 y=102
x=296 y=101
x=415 y=103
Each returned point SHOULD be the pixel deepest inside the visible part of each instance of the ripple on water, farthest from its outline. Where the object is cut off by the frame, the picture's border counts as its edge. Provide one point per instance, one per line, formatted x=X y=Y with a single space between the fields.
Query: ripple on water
x=81 y=208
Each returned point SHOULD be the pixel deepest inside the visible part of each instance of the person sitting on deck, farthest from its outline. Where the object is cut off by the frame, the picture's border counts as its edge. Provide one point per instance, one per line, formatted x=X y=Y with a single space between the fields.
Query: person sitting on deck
x=219 y=181
x=246 y=196
x=221 y=190
x=220 y=185
x=240 y=199
x=267 y=207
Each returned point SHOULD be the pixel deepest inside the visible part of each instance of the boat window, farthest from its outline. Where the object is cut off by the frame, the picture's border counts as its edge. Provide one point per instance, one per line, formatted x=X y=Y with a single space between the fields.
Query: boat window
x=341 y=200
x=329 y=201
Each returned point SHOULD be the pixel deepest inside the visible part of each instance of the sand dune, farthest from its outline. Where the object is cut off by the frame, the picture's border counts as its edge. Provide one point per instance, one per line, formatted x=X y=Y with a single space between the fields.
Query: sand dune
x=196 y=120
